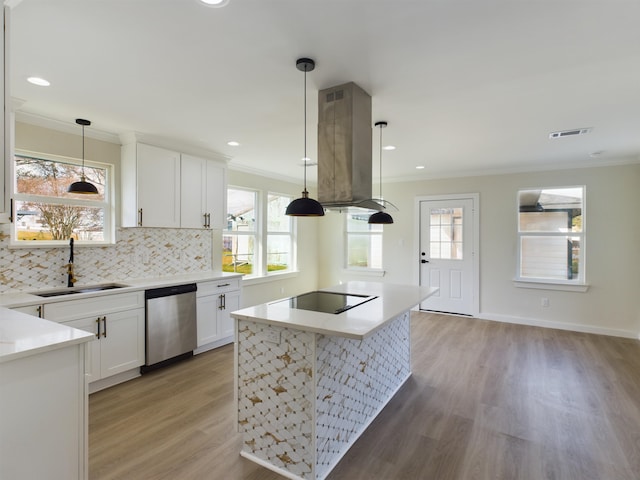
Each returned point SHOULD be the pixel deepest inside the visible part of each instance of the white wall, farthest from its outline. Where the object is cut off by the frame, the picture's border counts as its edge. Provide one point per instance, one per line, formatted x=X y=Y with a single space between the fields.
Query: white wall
x=610 y=306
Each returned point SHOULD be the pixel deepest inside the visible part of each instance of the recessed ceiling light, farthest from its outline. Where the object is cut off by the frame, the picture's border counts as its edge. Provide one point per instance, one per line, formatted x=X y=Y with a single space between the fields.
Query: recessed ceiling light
x=420 y=167
x=41 y=82
x=215 y=3
x=389 y=147
x=233 y=144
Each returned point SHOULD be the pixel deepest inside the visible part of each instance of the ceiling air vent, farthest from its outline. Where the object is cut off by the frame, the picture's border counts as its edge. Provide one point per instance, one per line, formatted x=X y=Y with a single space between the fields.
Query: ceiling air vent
x=569 y=133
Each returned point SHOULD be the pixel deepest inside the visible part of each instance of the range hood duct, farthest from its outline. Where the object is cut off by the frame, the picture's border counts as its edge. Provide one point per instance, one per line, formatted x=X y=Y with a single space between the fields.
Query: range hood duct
x=344 y=148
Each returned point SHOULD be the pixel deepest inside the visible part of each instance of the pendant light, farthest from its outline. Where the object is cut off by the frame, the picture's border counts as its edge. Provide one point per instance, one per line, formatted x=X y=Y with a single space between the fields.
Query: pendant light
x=380 y=217
x=305 y=206
x=83 y=186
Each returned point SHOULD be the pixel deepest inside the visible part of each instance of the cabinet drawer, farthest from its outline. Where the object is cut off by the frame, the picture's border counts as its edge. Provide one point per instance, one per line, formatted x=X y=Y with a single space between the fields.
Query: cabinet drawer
x=218 y=286
x=87 y=307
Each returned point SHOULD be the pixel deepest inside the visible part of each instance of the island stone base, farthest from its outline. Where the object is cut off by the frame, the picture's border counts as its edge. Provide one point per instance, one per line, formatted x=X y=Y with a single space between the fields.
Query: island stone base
x=304 y=398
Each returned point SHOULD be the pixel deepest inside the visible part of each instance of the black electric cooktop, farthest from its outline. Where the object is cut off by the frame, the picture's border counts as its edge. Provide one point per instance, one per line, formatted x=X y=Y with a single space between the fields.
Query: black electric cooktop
x=327 y=302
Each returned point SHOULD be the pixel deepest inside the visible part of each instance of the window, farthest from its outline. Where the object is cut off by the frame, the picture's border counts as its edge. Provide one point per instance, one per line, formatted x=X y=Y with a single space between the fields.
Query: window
x=279 y=233
x=551 y=235
x=44 y=213
x=240 y=237
x=364 y=242
x=259 y=236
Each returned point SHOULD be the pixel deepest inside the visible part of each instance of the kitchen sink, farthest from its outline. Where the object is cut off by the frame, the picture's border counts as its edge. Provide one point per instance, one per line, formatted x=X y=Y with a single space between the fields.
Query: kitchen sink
x=74 y=290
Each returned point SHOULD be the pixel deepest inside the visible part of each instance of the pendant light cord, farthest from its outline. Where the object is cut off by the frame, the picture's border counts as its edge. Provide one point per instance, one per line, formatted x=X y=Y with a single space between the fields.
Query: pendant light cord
x=305 y=130
x=381 y=126
x=83 y=177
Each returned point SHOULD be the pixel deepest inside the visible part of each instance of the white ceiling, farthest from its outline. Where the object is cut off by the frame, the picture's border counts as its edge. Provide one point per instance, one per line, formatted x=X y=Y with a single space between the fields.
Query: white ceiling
x=467 y=87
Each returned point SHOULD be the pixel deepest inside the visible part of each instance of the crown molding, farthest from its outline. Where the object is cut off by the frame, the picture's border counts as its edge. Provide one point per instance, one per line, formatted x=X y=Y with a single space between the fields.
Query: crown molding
x=65 y=127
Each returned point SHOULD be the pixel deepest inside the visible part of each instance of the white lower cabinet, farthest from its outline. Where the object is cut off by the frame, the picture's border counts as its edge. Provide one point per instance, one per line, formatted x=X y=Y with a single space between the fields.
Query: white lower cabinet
x=117 y=321
x=215 y=302
x=119 y=343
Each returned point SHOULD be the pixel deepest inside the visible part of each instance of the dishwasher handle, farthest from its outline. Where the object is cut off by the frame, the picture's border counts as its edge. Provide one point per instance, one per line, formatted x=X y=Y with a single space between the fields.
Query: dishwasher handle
x=168 y=291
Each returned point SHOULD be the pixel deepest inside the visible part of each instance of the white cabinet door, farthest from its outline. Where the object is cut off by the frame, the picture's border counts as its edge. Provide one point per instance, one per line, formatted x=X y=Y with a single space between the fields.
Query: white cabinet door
x=90 y=324
x=207 y=315
x=216 y=195
x=158 y=178
x=122 y=342
x=203 y=198
x=228 y=302
x=193 y=186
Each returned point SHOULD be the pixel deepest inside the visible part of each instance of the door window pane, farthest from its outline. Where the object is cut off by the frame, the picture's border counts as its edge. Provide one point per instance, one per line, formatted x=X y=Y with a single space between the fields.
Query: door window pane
x=445 y=230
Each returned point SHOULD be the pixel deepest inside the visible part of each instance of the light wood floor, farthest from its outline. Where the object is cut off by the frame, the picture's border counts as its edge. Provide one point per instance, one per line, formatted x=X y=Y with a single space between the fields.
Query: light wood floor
x=485 y=401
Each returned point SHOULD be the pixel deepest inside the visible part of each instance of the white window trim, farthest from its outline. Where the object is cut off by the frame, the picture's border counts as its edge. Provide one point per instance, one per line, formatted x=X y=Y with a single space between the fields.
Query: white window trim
x=108 y=204
x=578 y=285
x=292 y=234
x=364 y=271
x=261 y=233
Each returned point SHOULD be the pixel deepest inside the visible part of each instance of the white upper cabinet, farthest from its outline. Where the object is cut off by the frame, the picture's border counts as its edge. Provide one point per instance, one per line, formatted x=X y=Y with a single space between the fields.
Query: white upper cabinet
x=203 y=187
x=165 y=188
x=150 y=186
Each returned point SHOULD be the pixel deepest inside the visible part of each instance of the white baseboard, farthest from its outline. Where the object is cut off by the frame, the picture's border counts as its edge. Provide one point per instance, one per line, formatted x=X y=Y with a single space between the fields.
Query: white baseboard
x=114 y=380
x=574 y=327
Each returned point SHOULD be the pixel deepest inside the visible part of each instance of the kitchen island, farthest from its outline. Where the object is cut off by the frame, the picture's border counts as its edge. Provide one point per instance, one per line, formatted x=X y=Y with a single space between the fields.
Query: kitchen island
x=309 y=383
x=43 y=398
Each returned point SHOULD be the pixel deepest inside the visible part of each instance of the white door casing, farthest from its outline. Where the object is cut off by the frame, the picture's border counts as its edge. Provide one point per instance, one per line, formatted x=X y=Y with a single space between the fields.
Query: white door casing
x=447 y=252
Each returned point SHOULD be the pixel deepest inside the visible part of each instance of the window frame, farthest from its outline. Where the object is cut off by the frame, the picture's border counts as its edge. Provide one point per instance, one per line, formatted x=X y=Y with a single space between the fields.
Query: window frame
x=262 y=233
x=108 y=204
x=291 y=234
x=578 y=284
x=368 y=233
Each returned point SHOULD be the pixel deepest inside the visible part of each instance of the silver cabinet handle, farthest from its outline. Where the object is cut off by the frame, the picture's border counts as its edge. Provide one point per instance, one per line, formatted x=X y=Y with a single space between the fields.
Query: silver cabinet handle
x=224 y=285
x=39 y=310
x=104 y=319
x=98 y=322
x=139 y=217
x=205 y=220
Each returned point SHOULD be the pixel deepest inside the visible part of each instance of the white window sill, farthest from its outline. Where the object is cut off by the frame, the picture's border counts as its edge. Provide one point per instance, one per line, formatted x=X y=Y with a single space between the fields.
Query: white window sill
x=269 y=278
x=549 y=285
x=367 y=272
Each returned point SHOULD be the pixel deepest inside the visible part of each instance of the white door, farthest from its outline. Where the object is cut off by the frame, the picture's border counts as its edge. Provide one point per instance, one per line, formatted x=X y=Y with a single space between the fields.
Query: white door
x=447 y=254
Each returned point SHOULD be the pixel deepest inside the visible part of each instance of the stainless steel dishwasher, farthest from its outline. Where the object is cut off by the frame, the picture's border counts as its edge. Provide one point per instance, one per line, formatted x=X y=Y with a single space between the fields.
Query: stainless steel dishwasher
x=170 y=324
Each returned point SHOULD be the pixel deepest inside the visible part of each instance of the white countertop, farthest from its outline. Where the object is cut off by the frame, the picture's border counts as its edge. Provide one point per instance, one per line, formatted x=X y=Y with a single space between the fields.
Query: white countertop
x=23 y=335
x=357 y=322
x=21 y=299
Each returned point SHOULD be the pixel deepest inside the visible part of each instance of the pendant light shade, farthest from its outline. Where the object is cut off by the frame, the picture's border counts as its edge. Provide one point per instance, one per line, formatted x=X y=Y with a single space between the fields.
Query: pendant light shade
x=305 y=206
x=380 y=217
x=83 y=186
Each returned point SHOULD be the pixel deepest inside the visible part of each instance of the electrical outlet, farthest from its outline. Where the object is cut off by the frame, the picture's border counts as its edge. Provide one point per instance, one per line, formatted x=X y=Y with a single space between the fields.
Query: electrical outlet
x=544 y=301
x=272 y=335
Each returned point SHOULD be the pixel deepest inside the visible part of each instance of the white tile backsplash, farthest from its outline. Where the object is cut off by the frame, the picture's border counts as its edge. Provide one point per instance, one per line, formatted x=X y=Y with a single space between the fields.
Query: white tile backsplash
x=138 y=253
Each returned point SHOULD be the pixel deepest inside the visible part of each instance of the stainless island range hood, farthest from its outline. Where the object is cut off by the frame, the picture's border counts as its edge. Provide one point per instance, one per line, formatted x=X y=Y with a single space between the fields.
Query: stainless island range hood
x=344 y=149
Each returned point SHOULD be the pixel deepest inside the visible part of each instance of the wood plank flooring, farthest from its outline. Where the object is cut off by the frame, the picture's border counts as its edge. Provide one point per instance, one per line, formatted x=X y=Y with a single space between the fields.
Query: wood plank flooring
x=486 y=401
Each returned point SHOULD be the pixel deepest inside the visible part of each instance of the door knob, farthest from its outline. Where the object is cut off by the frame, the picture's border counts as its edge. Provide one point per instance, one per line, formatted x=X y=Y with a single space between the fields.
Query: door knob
x=424 y=261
